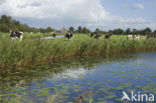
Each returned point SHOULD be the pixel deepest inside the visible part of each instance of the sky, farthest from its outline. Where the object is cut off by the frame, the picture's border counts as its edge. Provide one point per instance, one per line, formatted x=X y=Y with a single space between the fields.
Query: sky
x=103 y=14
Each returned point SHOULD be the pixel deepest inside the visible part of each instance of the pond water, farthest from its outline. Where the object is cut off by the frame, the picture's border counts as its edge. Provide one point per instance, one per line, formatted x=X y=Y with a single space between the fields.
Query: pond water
x=50 y=37
x=71 y=80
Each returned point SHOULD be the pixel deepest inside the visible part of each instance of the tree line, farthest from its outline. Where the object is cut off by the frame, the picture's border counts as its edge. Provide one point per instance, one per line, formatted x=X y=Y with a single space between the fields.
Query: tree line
x=7 y=23
x=118 y=31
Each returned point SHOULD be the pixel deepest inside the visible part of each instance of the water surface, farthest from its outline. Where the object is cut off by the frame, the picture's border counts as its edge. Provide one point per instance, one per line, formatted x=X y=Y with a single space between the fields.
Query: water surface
x=51 y=37
x=65 y=80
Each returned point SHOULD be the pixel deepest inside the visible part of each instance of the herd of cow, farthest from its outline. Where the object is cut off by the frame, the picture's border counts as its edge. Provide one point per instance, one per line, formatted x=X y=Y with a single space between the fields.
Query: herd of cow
x=67 y=35
x=107 y=36
x=70 y=35
x=97 y=36
x=136 y=37
x=92 y=35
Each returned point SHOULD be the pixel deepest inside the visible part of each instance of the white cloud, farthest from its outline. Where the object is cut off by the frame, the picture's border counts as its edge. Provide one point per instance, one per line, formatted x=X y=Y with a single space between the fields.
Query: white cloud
x=134 y=6
x=21 y=8
x=138 y=6
x=2 y=1
x=66 y=12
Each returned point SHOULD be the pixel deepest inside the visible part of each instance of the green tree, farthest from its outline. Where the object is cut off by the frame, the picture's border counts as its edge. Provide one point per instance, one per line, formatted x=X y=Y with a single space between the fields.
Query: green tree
x=147 y=31
x=134 y=31
x=118 y=31
x=97 y=30
x=85 y=30
x=6 y=19
x=110 y=31
x=49 y=29
x=128 y=31
x=71 y=29
x=79 y=29
x=5 y=23
x=4 y=28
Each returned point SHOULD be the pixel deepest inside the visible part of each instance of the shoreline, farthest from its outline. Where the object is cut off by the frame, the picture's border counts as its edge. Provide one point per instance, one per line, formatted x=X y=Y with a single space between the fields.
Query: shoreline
x=32 y=63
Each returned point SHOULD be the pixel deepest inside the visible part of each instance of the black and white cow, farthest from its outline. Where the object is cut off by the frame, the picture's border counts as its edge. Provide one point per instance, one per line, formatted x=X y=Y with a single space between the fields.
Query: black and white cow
x=107 y=36
x=136 y=37
x=69 y=36
x=54 y=35
x=94 y=35
x=97 y=36
x=129 y=36
x=91 y=34
x=16 y=35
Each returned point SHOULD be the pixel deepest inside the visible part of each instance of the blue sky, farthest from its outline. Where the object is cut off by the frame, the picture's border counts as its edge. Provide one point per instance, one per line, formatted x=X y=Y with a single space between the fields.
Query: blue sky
x=116 y=7
x=103 y=14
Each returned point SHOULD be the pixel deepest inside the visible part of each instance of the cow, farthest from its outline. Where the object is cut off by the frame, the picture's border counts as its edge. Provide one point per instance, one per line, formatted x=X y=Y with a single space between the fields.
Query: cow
x=136 y=37
x=15 y=35
x=54 y=35
x=91 y=34
x=107 y=36
x=97 y=36
x=129 y=37
x=69 y=35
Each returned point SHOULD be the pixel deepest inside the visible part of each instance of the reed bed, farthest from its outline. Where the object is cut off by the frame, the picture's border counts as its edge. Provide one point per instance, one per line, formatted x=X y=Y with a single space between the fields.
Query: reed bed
x=31 y=51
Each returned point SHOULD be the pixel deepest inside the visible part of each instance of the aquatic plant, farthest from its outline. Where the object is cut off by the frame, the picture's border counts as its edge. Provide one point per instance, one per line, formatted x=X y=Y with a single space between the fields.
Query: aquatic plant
x=33 y=51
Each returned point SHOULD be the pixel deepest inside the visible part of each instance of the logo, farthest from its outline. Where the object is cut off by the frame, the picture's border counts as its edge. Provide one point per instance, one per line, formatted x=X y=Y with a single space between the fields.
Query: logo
x=137 y=97
x=125 y=96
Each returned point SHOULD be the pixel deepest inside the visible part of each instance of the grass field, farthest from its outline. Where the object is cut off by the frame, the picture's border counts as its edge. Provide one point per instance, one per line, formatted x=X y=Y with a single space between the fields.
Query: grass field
x=31 y=51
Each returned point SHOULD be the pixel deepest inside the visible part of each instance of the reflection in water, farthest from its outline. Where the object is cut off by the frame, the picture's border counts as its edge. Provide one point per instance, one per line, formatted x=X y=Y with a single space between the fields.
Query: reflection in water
x=69 y=73
x=72 y=78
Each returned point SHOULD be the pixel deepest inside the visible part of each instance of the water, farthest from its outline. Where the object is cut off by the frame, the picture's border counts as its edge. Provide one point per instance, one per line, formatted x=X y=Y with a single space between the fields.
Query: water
x=50 y=37
x=65 y=80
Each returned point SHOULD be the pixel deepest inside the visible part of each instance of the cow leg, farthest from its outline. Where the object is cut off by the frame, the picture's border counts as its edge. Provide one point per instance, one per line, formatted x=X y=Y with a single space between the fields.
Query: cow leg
x=13 y=38
x=21 y=37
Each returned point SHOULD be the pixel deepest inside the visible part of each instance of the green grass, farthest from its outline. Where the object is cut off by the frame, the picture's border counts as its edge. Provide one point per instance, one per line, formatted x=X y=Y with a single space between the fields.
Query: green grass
x=31 y=51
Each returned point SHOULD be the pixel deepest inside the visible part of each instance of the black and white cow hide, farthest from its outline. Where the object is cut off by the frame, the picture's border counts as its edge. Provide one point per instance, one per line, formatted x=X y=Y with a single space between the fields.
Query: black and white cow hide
x=16 y=35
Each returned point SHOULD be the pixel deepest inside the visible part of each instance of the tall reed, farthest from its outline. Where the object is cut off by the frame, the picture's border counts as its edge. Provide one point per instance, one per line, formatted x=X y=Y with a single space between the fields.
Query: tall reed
x=30 y=51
